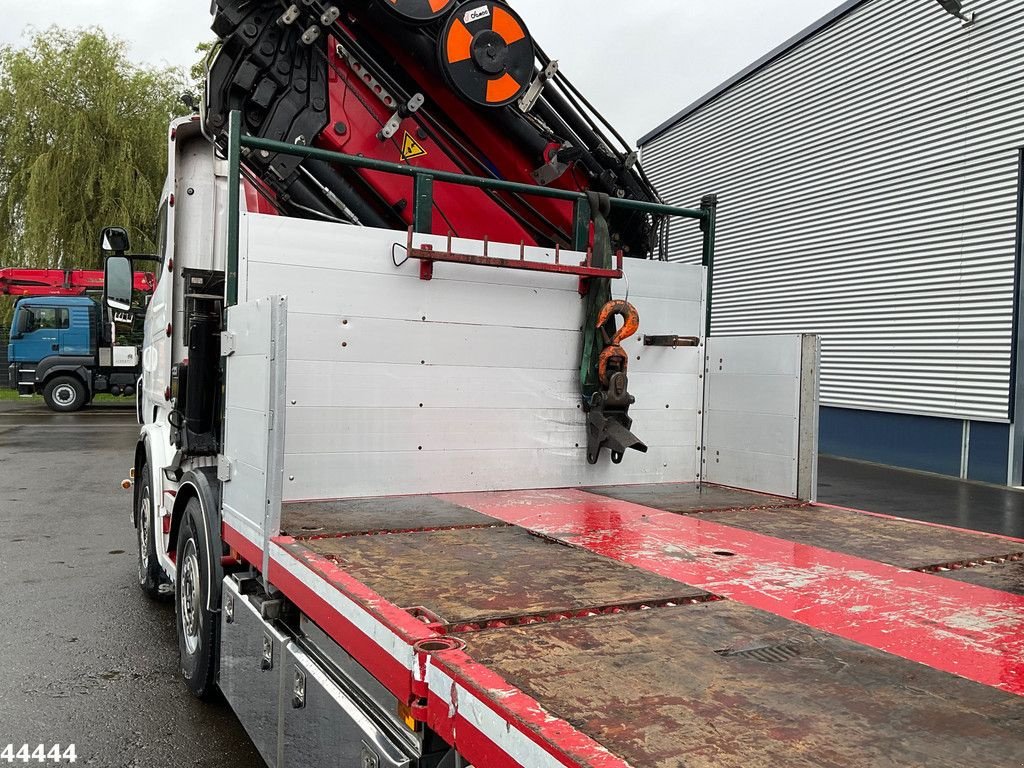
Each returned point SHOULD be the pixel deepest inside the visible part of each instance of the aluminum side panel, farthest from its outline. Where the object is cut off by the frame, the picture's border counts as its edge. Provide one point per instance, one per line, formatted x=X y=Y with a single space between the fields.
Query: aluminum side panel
x=468 y=381
x=256 y=347
x=760 y=428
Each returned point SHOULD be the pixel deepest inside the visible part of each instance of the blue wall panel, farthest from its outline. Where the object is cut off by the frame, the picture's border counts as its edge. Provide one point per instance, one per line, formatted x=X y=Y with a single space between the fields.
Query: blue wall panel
x=990 y=452
x=915 y=442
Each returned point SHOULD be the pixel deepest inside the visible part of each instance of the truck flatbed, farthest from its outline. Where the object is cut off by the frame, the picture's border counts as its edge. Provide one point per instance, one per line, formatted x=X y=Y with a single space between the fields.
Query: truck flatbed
x=459 y=506
x=670 y=625
x=426 y=508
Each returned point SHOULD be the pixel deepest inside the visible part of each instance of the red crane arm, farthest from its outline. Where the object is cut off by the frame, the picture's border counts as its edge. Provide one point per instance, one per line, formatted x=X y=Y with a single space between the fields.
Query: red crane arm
x=61 y=282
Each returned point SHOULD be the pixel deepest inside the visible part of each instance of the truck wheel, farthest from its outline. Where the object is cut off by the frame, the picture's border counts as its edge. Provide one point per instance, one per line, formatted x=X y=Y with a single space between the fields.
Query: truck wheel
x=152 y=579
x=198 y=628
x=64 y=394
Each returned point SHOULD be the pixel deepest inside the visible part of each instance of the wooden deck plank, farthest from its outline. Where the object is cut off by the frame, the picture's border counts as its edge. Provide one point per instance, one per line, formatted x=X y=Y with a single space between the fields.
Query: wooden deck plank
x=690 y=497
x=1006 y=577
x=394 y=513
x=475 y=575
x=722 y=685
x=903 y=543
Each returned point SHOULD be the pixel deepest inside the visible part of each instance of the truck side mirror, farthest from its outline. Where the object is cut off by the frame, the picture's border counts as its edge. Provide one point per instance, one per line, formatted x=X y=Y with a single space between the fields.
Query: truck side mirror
x=115 y=240
x=118 y=280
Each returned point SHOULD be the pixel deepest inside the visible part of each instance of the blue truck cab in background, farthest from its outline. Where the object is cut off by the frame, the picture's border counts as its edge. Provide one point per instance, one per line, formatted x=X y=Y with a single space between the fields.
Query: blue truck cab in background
x=59 y=348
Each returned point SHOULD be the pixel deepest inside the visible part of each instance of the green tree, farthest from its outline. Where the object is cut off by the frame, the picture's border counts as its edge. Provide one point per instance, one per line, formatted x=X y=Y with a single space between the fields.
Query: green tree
x=198 y=71
x=83 y=144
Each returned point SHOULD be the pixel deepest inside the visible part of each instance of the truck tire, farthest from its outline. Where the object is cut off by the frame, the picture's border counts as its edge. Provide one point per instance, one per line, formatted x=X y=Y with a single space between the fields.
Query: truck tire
x=152 y=579
x=65 y=394
x=198 y=627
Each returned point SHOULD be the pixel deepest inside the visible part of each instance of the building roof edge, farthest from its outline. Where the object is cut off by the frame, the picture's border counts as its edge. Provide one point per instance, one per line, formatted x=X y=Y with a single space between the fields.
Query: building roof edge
x=758 y=65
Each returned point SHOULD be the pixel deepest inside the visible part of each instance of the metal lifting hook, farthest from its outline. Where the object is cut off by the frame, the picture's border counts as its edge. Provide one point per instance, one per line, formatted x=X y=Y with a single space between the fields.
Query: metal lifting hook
x=614 y=356
x=608 y=422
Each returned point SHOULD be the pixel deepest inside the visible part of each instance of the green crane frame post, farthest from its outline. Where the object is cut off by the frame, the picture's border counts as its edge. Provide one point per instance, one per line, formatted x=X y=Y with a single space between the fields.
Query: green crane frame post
x=423 y=198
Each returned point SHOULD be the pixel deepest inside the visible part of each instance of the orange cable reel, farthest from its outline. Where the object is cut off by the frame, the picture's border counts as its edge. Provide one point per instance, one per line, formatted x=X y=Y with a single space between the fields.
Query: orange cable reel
x=419 y=11
x=486 y=53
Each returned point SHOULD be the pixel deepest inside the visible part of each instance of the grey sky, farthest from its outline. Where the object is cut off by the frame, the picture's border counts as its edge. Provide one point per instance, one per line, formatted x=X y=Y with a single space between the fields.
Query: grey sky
x=639 y=62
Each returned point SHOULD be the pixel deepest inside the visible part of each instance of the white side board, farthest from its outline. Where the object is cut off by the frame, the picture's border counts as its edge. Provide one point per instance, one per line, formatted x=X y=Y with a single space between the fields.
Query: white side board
x=761 y=414
x=254 y=345
x=466 y=382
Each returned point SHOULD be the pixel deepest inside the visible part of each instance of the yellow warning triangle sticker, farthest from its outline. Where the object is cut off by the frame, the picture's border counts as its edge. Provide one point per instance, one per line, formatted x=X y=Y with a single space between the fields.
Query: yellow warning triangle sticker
x=411 y=149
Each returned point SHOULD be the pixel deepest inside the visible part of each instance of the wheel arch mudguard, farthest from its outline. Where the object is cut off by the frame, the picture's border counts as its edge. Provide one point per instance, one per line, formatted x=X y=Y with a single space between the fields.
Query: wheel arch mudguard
x=76 y=366
x=142 y=459
x=202 y=484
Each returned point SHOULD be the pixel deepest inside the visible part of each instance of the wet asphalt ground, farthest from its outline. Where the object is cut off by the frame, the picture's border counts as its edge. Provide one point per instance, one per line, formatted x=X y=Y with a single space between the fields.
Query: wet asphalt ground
x=86 y=659
x=921 y=496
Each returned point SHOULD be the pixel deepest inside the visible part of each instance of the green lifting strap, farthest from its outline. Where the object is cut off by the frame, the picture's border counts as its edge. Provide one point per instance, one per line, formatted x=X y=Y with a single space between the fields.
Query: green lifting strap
x=599 y=293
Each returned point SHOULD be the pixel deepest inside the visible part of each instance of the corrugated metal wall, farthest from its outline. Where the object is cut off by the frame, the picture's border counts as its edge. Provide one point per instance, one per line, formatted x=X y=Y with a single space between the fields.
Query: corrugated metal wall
x=868 y=185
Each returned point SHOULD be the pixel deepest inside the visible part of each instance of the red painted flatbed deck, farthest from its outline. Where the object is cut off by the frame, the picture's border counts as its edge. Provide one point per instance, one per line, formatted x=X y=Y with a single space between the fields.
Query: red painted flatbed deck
x=671 y=626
